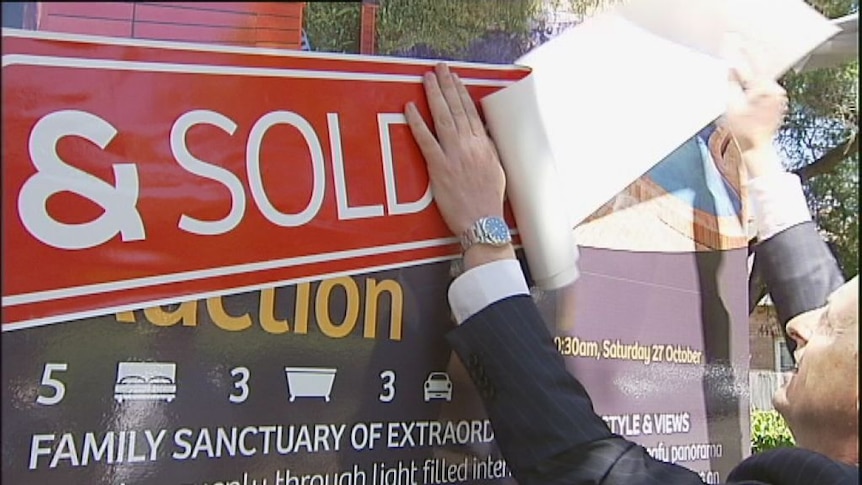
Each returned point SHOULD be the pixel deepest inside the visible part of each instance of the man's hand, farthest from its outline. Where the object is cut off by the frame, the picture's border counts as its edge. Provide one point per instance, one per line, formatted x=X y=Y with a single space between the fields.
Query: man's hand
x=466 y=177
x=753 y=116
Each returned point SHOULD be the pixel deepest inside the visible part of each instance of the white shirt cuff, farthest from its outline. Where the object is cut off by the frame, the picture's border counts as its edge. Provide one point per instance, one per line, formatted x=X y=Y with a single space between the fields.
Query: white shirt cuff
x=483 y=285
x=778 y=203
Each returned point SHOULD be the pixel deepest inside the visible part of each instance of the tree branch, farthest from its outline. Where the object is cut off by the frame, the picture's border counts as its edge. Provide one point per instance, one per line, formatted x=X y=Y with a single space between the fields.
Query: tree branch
x=829 y=160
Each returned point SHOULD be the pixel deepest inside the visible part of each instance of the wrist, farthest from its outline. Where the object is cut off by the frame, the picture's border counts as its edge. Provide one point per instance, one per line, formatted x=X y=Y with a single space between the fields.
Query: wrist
x=479 y=254
x=761 y=159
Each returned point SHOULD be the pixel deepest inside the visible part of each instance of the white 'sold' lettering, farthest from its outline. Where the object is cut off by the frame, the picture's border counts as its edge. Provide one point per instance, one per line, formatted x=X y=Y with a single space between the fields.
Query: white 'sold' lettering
x=121 y=215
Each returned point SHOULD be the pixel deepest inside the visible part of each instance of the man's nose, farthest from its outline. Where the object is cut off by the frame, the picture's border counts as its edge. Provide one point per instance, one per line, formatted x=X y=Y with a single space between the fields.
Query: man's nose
x=799 y=330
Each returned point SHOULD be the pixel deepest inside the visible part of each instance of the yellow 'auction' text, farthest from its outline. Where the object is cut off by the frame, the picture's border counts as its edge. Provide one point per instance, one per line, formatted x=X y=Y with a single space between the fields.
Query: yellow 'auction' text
x=323 y=315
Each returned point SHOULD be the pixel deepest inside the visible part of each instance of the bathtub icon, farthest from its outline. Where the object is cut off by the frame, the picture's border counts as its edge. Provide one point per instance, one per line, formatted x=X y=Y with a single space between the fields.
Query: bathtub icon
x=309 y=382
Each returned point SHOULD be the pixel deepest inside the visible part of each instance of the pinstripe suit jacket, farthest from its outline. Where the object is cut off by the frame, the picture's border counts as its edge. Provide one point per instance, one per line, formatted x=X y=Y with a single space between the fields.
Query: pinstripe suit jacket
x=799 y=270
x=543 y=417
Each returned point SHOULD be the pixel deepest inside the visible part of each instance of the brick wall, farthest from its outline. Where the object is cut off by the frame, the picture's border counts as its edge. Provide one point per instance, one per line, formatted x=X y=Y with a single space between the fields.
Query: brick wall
x=252 y=24
x=368 y=31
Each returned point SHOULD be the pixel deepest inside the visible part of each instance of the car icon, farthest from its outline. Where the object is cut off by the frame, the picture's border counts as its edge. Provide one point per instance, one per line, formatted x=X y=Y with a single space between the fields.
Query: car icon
x=438 y=386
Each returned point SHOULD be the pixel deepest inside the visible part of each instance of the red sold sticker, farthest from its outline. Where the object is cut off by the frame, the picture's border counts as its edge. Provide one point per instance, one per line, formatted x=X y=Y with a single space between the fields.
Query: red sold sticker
x=139 y=173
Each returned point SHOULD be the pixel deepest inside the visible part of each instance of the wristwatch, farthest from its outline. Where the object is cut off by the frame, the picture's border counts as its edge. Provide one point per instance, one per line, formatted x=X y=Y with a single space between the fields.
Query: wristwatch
x=487 y=230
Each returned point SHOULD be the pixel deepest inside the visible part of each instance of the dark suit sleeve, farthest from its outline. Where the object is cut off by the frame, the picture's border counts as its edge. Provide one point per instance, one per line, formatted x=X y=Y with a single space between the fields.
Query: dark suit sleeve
x=542 y=416
x=794 y=466
x=799 y=270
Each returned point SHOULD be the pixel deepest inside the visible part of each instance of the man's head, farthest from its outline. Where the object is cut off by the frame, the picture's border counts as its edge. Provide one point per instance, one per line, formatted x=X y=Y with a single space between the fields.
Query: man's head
x=821 y=401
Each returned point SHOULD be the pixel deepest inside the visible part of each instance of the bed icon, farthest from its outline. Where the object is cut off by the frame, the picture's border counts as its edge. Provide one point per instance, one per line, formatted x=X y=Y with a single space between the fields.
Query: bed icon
x=151 y=381
x=309 y=382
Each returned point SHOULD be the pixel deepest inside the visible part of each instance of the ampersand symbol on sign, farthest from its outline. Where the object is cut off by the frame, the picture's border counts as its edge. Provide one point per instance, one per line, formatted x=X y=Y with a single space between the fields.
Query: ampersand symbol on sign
x=53 y=175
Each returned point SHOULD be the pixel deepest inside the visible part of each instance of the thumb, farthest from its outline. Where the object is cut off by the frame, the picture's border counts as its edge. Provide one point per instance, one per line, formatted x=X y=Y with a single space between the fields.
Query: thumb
x=733 y=51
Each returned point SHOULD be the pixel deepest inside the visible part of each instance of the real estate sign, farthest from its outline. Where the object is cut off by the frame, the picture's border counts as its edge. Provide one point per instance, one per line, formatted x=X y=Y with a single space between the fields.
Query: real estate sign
x=223 y=265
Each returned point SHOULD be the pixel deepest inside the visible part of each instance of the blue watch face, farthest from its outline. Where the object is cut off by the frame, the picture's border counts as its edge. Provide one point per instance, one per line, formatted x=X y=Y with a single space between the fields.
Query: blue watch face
x=497 y=230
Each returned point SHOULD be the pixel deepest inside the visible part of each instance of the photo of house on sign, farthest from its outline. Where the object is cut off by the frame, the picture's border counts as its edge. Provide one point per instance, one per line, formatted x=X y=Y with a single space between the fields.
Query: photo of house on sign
x=153 y=381
x=309 y=382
